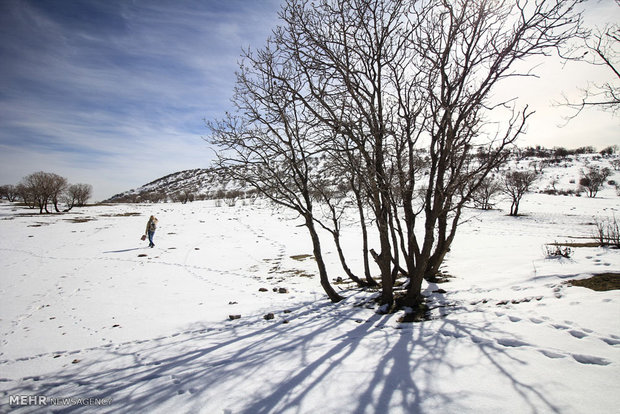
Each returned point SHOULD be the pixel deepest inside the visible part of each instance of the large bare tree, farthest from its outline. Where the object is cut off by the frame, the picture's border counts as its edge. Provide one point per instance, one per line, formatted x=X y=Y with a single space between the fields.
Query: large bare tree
x=398 y=93
x=270 y=143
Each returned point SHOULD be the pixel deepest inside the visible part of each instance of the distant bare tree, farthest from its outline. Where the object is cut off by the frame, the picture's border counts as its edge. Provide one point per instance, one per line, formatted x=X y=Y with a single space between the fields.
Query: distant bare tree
x=39 y=188
x=26 y=194
x=42 y=188
x=57 y=185
x=77 y=195
x=592 y=179
x=9 y=192
x=488 y=189
x=184 y=195
x=516 y=185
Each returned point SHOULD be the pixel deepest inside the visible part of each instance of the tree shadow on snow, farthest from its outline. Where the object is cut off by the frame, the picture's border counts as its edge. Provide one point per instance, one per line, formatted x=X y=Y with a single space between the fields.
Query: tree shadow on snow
x=256 y=366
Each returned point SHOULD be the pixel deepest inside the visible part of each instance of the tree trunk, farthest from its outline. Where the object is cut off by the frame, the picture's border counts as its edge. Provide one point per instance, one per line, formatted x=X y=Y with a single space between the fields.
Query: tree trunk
x=316 y=247
x=360 y=208
x=343 y=260
x=384 y=261
x=396 y=256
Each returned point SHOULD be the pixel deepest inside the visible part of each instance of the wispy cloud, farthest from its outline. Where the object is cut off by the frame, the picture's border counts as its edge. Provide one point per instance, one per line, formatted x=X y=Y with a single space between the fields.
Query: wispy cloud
x=97 y=88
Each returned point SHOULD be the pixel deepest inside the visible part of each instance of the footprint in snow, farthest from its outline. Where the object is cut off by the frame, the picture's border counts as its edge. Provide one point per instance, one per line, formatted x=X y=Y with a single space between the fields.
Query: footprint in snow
x=513 y=343
x=536 y=320
x=611 y=341
x=479 y=340
x=551 y=354
x=514 y=319
x=590 y=360
x=577 y=334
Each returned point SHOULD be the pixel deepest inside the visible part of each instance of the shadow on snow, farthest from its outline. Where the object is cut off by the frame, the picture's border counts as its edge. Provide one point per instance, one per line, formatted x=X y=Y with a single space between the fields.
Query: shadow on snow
x=323 y=353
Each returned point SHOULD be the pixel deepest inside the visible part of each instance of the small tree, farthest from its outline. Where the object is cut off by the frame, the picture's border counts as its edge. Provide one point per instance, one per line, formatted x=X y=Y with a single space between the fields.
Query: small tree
x=25 y=193
x=77 y=195
x=611 y=150
x=593 y=179
x=187 y=194
x=9 y=192
x=57 y=186
x=38 y=189
x=41 y=188
x=488 y=189
x=516 y=184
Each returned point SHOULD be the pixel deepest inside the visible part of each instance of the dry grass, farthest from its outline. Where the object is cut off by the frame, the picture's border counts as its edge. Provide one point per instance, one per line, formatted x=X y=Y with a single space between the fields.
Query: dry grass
x=300 y=257
x=599 y=282
x=80 y=219
x=129 y=214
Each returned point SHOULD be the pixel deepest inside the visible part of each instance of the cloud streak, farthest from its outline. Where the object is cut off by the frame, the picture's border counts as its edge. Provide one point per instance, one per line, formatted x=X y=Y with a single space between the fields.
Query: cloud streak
x=93 y=88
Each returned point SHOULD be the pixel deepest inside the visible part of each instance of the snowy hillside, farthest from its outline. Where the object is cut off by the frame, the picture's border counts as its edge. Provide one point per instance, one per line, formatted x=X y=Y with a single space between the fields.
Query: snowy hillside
x=226 y=315
x=204 y=184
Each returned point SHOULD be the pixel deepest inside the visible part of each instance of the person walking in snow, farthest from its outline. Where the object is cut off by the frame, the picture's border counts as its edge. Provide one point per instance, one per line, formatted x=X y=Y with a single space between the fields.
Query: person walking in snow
x=151 y=226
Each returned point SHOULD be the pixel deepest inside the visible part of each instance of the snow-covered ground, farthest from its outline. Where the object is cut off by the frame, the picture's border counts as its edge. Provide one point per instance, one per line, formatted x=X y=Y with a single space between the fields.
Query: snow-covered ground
x=89 y=312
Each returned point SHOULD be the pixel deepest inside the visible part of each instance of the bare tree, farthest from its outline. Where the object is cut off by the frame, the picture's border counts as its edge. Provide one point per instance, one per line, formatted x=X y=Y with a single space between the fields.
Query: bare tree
x=593 y=179
x=26 y=194
x=9 y=192
x=602 y=48
x=270 y=144
x=41 y=188
x=332 y=194
x=38 y=188
x=488 y=189
x=374 y=84
x=77 y=195
x=516 y=185
x=57 y=185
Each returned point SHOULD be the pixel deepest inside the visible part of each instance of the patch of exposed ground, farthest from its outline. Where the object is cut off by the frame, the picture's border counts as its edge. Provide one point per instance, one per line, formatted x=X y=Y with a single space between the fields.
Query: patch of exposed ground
x=599 y=282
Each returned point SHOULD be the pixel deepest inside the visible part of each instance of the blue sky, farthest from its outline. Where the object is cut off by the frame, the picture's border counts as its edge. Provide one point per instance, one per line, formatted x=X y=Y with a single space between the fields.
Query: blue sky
x=114 y=93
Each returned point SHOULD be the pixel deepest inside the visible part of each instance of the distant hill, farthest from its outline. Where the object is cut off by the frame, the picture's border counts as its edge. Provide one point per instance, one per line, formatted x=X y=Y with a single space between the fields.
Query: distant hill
x=187 y=185
x=559 y=174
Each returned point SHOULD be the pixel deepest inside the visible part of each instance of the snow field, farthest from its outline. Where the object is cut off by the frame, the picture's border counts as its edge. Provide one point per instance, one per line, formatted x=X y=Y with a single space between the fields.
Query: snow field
x=83 y=314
